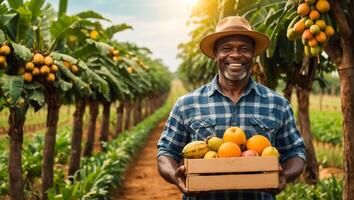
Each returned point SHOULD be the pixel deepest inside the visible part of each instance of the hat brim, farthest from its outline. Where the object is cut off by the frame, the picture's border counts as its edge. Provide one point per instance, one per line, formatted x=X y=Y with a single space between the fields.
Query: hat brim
x=206 y=45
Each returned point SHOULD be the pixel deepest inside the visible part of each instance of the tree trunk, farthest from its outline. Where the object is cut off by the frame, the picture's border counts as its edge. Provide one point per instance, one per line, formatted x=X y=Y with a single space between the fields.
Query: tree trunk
x=119 y=124
x=346 y=82
x=76 y=137
x=342 y=54
x=53 y=103
x=16 y=122
x=311 y=169
x=104 y=132
x=288 y=90
x=91 y=128
x=346 y=76
x=137 y=111
x=127 y=115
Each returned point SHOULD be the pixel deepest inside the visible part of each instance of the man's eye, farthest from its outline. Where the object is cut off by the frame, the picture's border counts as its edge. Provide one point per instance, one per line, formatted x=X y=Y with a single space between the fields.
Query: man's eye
x=245 y=49
x=226 y=49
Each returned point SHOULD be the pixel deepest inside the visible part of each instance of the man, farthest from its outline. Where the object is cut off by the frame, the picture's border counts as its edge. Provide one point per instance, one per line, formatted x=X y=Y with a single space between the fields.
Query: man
x=232 y=98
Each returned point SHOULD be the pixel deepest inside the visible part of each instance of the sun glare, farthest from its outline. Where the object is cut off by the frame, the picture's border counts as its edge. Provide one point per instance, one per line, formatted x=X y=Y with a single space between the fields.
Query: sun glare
x=191 y=2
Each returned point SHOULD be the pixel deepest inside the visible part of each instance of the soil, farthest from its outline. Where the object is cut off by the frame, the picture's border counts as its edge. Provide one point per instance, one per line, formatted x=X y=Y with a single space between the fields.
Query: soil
x=142 y=181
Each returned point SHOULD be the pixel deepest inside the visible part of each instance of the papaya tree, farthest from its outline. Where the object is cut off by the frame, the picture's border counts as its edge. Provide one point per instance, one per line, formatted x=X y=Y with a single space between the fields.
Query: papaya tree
x=340 y=50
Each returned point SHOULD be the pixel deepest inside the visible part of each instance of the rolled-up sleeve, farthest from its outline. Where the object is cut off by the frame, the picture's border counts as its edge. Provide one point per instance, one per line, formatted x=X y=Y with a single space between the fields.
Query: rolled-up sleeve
x=289 y=141
x=174 y=136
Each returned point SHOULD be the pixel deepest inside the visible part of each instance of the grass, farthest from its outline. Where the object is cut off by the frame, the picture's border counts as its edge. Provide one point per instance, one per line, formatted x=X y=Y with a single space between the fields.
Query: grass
x=329 y=155
x=38 y=117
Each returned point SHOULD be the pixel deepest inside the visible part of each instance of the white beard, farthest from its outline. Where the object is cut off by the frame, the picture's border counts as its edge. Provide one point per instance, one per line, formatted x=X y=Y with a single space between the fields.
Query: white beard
x=238 y=78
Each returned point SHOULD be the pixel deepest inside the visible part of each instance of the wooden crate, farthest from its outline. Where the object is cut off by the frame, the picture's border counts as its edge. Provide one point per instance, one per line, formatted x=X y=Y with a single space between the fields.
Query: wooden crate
x=232 y=173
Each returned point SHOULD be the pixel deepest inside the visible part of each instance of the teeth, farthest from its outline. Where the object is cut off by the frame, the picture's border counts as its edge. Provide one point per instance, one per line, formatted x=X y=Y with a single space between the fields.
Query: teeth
x=235 y=65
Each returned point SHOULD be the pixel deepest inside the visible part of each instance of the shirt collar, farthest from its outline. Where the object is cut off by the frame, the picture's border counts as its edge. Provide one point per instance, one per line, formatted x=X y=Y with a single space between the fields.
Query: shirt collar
x=252 y=85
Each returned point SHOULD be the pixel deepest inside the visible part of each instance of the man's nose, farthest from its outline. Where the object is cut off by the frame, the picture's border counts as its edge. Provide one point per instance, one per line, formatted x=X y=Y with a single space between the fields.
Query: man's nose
x=235 y=52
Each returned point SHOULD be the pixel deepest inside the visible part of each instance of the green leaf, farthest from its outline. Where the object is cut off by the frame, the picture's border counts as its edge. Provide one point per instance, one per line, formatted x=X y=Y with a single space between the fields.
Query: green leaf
x=63 y=85
x=9 y=22
x=23 y=52
x=60 y=56
x=110 y=31
x=96 y=81
x=82 y=88
x=91 y=14
x=35 y=7
x=36 y=99
x=11 y=87
x=64 y=24
x=2 y=37
x=23 y=23
x=15 y=3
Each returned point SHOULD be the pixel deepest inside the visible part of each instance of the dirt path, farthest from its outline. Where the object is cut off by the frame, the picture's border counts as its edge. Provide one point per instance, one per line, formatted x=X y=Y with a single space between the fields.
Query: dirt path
x=142 y=181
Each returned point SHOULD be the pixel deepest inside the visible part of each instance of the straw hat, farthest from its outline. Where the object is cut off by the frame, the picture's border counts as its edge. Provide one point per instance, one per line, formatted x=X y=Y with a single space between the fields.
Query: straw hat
x=233 y=25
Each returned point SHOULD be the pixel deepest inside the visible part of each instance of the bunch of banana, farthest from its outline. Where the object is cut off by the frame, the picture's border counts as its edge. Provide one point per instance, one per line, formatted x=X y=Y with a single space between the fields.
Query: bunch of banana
x=312 y=25
x=195 y=149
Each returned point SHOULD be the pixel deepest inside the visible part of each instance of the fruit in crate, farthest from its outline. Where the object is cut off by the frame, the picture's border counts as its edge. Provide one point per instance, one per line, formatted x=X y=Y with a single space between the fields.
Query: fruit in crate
x=258 y=143
x=249 y=153
x=195 y=149
x=214 y=143
x=236 y=135
x=229 y=149
x=211 y=154
x=270 y=151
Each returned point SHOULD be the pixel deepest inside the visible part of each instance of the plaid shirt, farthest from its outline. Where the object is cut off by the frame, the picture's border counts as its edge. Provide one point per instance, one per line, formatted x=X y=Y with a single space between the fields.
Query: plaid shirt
x=206 y=111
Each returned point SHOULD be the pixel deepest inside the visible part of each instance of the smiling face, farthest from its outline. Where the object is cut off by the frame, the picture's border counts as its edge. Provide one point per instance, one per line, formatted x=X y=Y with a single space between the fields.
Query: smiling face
x=234 y=56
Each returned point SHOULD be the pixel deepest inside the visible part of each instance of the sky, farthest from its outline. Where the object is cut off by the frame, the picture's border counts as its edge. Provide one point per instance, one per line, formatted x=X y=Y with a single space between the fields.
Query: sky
x=159 y=25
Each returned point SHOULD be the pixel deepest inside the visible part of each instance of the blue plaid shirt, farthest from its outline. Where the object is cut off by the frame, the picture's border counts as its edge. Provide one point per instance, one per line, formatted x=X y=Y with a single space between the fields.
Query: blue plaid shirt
x=206 y=111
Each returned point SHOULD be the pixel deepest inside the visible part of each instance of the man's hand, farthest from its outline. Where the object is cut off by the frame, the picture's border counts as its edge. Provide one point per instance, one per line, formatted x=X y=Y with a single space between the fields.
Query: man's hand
x=289 y=171
x=180 y=177
x=282 y=183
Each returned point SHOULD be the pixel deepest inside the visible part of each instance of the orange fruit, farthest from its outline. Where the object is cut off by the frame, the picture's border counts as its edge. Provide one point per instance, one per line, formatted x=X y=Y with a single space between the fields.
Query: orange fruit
x=312 y=42
x=94 y=35
x=35 y=71
x=45 y=70
x=229 y=149
x=321 y=23
x=299 y=26
x=329 y=30
x=66 y=64
x=303 y=9
x=258 y=143
x=74 y=69
x=323 y=6
x=29 y=66
x=5 y=50
x=38 y=59
x=50 y=77
x=307 y=34
x=314 y=15
x=27 y=77
x=54 y=68
x=48 y=60
x=321 y=37
x=130 y=70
